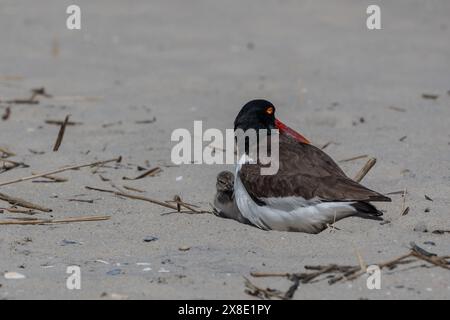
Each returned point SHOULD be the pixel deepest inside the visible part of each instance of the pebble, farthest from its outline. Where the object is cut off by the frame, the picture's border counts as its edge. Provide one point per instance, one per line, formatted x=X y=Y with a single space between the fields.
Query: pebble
x=14 y=276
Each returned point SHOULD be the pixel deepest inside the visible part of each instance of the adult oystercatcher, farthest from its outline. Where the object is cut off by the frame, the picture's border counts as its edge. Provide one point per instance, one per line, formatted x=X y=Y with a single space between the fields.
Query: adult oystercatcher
x=309 y=191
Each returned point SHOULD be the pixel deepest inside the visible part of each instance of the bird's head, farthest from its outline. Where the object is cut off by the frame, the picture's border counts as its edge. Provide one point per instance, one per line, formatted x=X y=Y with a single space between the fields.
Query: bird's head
x=260 y=114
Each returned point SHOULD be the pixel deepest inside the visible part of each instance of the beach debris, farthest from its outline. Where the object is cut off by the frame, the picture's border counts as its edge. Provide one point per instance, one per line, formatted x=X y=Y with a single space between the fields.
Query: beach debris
x=59 y=122
x=6 y=114
x=36 y=152
x=177 y=200
x=405 y=209
x=23 y=203
x=179 y=178
x=17 y=210
x=132 y=196
x=263 y=293
x=83 y=200
x=6 y=165
x=50 y=179
x=428 y=198
x=149 y=173
x=133 y=189
x=118 y=296
x=150 y=239
x=402 y=138
x=337 y=273
x=107 y=125
x=32 y=99
x=53 y=221
x=5 y=153
x=75 y=167
x=14 y=276
x=327 y=144
x=114 y=296
x=397 y=109
x=395 y=192
x=146 y=121
x=115 y=272
x=364 y=170
x=184 y=248
x=420 y=227
x=354 y=158
x=61 y=132
x=430 y=96
x=66 y=242
x=439 y=231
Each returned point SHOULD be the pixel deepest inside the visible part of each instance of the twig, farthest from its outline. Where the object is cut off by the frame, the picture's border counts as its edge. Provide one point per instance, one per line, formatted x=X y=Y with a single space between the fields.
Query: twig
x=7 y=152
x=405 y=209
x=147 y=173
x=61 y=132
x=59 y=123
x=132 y=196
x=118 y=159
x=17 y=210
x=362 y=173
x=22 y=203
x=349 y=273
x=180 y=203
x=54 y=221
x=397 y=109
x=81 y=200
x=430 y=96
x=9 y=164
x=32 y=99
x=54 y=178
x=261 y=293
x=354 y=158
x=132 y=189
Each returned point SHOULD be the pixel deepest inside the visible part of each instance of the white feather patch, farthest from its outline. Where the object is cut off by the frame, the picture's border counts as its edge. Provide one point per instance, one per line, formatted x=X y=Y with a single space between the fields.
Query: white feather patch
x=290 y=213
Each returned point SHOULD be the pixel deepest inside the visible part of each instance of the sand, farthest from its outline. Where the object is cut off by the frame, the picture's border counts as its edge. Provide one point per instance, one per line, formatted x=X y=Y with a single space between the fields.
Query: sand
x=180 y=61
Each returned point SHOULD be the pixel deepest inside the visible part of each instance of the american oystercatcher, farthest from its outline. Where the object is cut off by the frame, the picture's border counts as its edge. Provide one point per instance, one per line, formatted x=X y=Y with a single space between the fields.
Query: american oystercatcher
x=309 y=191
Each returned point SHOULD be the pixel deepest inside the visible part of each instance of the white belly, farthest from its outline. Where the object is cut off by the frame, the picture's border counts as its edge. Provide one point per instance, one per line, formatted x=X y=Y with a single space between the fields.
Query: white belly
x=289 y=214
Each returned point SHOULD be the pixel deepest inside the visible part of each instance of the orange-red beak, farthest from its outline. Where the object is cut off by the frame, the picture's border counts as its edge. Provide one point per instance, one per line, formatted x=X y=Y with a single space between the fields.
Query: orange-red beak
x=291 y=132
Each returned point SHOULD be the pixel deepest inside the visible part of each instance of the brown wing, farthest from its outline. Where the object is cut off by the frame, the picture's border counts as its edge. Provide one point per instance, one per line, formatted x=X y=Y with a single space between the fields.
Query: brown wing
x=305 y=171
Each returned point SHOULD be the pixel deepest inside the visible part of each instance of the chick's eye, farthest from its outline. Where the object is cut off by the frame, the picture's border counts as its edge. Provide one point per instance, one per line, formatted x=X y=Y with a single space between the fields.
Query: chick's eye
x=269 y=110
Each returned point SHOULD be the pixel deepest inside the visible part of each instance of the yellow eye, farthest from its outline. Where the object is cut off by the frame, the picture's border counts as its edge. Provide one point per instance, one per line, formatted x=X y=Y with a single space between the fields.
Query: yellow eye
x=269 y=110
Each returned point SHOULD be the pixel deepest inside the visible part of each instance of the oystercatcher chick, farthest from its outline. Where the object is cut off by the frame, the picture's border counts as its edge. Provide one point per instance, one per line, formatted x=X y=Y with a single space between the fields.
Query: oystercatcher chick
x=224 y=201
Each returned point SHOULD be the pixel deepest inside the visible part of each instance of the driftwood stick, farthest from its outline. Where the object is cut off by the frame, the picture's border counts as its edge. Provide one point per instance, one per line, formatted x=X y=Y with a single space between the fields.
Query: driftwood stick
x=262 y=293
x=148 y=173
x=354 y=158
x=53 y=178
x=136 y=197
x=54 y=221
x=362 y=173
x=61 y=132
x=60 y=170
x=180 y=203
x=7 y=152
x=22 y=203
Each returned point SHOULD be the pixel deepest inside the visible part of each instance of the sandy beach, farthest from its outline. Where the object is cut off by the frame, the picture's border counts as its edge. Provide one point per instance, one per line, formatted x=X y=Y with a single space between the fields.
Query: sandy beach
x=136 y=72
